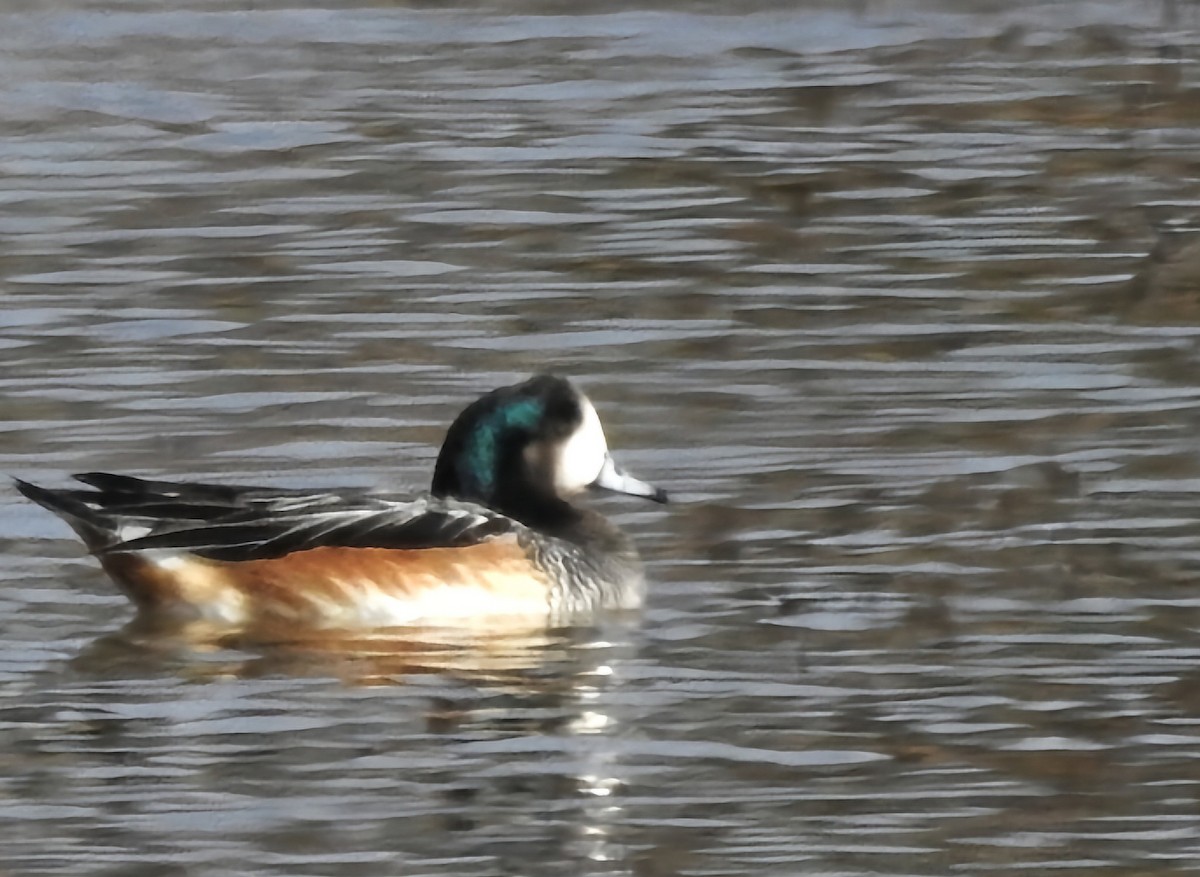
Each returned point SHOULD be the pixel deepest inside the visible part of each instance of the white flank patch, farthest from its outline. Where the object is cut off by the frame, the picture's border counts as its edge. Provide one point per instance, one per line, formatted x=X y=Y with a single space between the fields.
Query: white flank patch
x=582 y=456
x=171 y=561
x=199 y=591
x=450 y=603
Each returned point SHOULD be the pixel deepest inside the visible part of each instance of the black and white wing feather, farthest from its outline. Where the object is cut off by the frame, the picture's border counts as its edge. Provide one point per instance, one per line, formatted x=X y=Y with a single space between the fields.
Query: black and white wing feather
x=224 y=522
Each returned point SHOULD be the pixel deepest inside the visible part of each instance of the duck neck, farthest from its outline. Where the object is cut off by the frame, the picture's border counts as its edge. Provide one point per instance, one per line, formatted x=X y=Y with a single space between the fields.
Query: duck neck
x=548 y=514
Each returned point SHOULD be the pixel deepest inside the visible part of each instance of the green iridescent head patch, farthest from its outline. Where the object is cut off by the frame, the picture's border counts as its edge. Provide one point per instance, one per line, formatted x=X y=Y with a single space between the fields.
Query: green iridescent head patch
x=480 y=459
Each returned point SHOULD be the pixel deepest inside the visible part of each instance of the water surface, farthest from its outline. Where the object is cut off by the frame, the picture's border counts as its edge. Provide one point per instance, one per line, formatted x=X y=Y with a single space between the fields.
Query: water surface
x=899 y=301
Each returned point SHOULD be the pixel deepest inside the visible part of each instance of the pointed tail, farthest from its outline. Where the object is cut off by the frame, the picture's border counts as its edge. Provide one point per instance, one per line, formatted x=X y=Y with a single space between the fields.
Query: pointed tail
x=98 y=530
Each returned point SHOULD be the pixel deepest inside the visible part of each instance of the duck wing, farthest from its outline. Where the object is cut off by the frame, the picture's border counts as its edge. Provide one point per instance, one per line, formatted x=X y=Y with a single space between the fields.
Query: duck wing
x=236 y=523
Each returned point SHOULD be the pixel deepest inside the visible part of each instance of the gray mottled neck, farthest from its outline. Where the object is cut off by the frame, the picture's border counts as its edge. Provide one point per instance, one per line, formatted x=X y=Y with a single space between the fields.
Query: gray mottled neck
x=594 y=566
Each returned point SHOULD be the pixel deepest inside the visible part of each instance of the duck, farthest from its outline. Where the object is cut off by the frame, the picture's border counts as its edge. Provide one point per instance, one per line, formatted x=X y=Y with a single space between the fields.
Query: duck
x=499 y=533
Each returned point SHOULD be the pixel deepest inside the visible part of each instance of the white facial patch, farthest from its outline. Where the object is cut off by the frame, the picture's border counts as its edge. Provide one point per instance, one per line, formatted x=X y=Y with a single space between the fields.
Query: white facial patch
x=582 y=456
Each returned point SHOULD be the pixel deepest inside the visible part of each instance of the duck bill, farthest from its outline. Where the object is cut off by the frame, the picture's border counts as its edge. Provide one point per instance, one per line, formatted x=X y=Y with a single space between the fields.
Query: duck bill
x=612 y=477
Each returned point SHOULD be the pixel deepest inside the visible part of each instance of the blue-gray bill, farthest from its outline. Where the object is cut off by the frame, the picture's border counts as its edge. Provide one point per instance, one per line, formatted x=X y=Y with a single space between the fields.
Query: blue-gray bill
x=612 y=477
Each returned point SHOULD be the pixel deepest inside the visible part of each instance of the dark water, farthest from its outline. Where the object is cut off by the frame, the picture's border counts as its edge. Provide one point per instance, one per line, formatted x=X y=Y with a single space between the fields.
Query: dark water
x=902 y=301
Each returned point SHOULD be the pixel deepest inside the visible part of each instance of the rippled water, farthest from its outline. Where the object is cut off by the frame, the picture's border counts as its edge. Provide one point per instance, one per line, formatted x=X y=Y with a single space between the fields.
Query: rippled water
x=901 y=302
